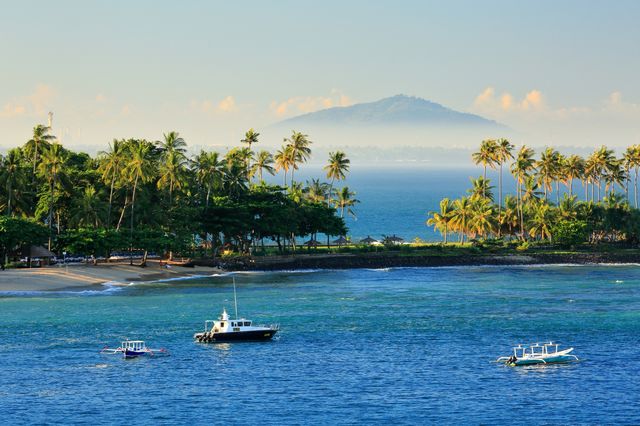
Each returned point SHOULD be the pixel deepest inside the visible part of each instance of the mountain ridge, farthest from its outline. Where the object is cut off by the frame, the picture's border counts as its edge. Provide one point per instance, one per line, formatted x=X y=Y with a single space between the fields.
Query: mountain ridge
x=395 y=110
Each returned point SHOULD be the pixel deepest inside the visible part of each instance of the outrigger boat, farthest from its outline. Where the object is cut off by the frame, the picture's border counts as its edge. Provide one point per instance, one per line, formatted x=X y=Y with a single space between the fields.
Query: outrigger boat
x=225 y=329
x=133 y=349
x=536 y=353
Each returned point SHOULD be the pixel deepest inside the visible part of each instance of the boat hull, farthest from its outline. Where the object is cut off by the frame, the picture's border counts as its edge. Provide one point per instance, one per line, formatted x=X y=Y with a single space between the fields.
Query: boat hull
x=561 y=359
x=236 y=336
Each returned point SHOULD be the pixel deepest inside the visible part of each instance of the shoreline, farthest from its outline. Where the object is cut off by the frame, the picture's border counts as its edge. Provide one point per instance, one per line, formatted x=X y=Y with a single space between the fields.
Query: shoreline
x=398 y=260
x=86 y=277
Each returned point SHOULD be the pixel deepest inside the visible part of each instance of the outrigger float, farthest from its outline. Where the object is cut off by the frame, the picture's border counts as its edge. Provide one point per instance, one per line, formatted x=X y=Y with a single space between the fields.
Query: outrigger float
x=133 y=349
x=537 y=353
x=225 y=329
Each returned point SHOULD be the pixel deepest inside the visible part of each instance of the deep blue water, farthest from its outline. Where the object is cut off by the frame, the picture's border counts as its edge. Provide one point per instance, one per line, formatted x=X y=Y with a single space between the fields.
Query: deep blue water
x=405 y=346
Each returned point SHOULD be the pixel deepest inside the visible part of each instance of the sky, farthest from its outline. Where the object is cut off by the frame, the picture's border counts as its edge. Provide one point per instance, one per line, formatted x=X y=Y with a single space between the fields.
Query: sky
x=558 y=72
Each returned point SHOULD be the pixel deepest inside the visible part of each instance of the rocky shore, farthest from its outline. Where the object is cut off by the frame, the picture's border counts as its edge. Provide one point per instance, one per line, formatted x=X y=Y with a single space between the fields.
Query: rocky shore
x=395 y=259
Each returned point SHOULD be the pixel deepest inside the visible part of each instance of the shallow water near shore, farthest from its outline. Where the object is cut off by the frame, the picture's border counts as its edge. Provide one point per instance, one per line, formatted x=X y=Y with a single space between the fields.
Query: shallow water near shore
x=409 y=345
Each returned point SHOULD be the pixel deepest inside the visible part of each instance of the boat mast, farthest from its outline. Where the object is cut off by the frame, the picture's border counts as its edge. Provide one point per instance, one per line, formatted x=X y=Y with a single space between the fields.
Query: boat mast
x=235 y=299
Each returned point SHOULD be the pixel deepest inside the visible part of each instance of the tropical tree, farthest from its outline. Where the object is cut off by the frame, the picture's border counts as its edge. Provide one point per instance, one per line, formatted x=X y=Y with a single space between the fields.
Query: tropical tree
x=52 y=169
x=284 y=160
x=209 y=172
x=140 y=168
x=345 y=200
x=337 y=168
x=503 y=153
x=486 y=155
x=172 y=172
x=541 y=221
x=250 y=137
x=112 y=163
x=88 y=209
x=522 y=168
x=481 y=188
x=13 y=179
x=571 y=168
x=39 y=142
x=316 y=191
x=548 y=167
x=440 y=220
x=298 y=144
x=461 y=216
x=263 y=162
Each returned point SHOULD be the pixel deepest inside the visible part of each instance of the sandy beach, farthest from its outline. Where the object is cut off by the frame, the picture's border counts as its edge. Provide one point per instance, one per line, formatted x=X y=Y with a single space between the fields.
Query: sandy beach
x=81 y=276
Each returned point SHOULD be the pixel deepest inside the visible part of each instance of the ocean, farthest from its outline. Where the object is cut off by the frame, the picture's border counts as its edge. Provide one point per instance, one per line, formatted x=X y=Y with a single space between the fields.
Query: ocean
x=401 y=346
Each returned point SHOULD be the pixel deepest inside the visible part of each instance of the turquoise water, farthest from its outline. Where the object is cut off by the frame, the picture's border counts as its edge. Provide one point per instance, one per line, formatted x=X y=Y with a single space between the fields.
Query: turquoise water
x=407 y=346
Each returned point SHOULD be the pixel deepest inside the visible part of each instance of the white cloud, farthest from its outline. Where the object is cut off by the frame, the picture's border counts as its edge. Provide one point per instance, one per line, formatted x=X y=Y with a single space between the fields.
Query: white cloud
x=228 y=104
x=304 y=104
x=39 y=103
x=488 y=102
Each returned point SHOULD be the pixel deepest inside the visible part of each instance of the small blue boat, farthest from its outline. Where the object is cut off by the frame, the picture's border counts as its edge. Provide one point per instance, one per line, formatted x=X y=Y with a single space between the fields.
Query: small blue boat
x=134 y=349
x=538 y=354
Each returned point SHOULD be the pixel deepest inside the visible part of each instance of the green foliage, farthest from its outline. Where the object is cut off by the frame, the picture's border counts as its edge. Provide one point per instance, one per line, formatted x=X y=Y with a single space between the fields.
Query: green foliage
x=18 y=232
x=568 y=233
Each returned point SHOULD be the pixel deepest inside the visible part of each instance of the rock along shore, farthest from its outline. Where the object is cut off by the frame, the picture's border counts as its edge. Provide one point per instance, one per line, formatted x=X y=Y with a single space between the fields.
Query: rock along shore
x=395 y=259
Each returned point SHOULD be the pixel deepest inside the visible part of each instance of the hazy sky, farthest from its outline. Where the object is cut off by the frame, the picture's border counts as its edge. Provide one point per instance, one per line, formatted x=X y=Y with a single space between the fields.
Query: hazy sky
x=556 y=71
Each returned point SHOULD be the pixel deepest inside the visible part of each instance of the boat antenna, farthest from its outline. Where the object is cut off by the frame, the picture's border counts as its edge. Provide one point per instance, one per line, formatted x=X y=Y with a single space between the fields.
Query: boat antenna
x=235 y=299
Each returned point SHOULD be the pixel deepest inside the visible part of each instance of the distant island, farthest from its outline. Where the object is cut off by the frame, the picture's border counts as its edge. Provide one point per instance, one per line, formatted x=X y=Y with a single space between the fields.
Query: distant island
x=393 y=111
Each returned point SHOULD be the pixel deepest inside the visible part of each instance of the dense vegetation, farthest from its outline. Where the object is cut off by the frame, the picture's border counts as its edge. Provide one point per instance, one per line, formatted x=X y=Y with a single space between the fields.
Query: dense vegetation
x=608 y=211
x=145 y=196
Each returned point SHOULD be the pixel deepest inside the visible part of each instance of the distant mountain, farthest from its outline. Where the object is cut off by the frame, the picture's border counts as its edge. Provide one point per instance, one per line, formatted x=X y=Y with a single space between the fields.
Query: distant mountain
x=396 y=110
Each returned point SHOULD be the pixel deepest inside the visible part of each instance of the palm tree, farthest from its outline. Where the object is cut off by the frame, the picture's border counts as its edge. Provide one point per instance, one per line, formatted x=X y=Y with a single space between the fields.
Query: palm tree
x=440 y=220
x=483 y=220
x=209 y=172
x=486 y=155
x=250 y=137
x=615 y=174
x=172 y=173
x=572 y=168
x=263 y=162
x=502 y=154
x=283 y=160
x=521 y=168
x=547 y=168
x=13 y=179
x=234 y=180
x=39 y=142
x=540 y=224
x=51 y=168
x=172 y=142
x=481 y=188
x=88 y=209
x=510 y=218
x=461 y=216
x=345 y=200
x=300 y=152
x=317 y=191
x=337 y=168
x=112 y=163
x=139 y=169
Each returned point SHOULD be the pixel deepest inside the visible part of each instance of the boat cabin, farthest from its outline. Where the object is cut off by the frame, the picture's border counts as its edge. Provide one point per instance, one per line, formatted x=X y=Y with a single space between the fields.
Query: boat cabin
x=225 y=325
x=134 y=345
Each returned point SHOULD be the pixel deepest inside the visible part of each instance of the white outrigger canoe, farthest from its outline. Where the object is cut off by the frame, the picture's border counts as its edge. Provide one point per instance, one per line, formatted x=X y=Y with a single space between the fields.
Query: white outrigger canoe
x=134 y=349
x=537 y=354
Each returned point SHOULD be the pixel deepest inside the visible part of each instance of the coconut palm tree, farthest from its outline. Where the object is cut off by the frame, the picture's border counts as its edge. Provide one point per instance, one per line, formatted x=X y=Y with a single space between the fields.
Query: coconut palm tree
x=461 y=216
x=39 y=142
x=345 y=200
x=209 y=172
x=52 y=169
x=510 y=219
x=172 y=172
x=316 y=191
x=483 y=219
x=337 y=168
x=234 y=180
x=503 y=153
x=521 y=168
x=139 y=169
x=250 y=137
x=486 y=155
x=263 y=162
x=571 y=168
x=112 y=163
x=547 y=168
x=540 y=223
x=172 y=142
x=481 y=188
x=14 y=180
x=440 y=220
x=88 y=209
x=300 y=152
x=614 y=174
x=283 y=160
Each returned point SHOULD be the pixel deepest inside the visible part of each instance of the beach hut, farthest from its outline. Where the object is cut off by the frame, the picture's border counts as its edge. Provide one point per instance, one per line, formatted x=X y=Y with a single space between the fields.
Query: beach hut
x=341 y=241
x=394 y=239
x=312 y=243
x=368 y=240
x=43 y=255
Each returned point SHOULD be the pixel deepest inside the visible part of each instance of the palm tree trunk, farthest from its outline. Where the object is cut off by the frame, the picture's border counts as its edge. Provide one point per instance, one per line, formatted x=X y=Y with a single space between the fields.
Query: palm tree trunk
x=500 y=199
x=9 y=199
x=113 y=180
x=133 y=203
x=484 y=176
x=50 y=212
x=635 y=188
x=206 y=202
x=570 y=186
x=330 y=191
